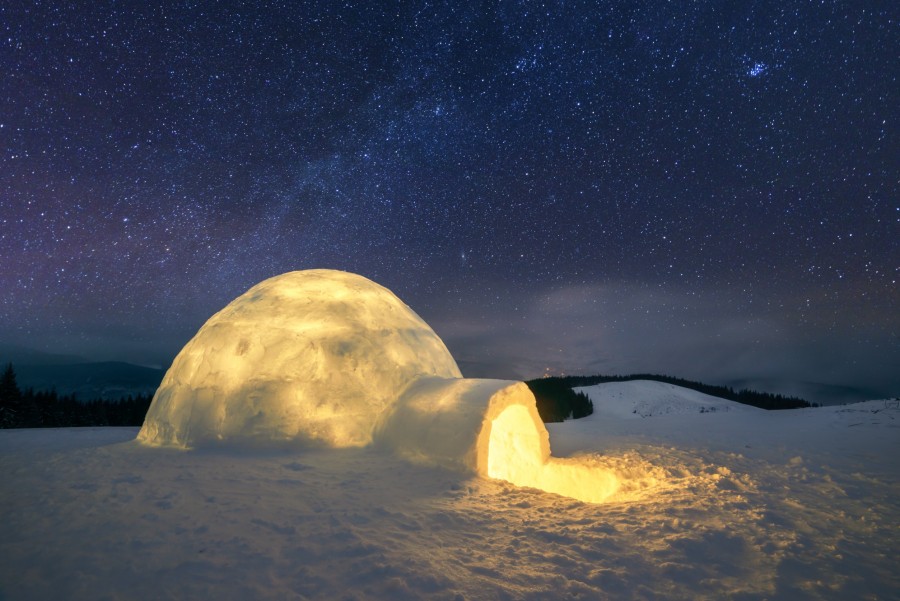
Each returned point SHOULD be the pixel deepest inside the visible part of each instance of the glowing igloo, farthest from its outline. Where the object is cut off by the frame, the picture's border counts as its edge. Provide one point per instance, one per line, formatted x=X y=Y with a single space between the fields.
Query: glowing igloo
x=313 y=355
x=331 y=358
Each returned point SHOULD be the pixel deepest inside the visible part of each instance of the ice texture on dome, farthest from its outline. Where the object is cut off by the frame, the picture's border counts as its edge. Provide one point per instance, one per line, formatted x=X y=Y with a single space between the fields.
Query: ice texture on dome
x=312 y=356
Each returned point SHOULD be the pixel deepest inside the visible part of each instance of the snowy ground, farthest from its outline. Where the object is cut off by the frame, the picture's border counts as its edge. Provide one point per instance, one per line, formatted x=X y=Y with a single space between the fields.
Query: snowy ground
x=717 y=501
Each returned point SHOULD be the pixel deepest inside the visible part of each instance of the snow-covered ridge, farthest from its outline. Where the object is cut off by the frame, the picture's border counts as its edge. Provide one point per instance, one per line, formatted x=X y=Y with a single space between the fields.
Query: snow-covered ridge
x=647 y=398
x=670 y=414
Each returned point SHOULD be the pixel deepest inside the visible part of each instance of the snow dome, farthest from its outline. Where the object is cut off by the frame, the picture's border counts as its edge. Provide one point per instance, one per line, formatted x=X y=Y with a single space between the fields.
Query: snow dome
x=308 y=355
x=331 y=358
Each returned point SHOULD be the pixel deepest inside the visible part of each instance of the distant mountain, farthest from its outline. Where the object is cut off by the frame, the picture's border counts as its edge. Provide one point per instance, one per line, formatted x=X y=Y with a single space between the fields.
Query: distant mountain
x=816 y=392
x=20 y=355
x=109 y=380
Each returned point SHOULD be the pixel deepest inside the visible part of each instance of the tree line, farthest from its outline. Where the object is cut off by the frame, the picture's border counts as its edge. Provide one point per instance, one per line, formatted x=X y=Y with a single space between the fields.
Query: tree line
x=557 y=402
x=48 y=409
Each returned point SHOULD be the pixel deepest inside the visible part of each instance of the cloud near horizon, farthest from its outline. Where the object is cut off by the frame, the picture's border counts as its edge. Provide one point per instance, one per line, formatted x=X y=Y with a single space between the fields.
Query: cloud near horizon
x=622 y=328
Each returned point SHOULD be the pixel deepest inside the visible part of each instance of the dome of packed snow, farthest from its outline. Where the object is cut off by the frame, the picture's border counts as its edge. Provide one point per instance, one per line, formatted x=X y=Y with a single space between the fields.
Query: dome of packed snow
x=312 y=355
x=331 y=358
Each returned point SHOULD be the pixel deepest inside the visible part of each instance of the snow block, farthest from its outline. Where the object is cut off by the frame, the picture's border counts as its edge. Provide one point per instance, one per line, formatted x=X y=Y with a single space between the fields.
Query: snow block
x=449 y=422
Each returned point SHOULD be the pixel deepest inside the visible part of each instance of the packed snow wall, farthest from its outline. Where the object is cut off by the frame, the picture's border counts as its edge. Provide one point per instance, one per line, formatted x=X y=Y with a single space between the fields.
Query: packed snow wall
x=448 y=422
x=490 y=427
x=332 y=359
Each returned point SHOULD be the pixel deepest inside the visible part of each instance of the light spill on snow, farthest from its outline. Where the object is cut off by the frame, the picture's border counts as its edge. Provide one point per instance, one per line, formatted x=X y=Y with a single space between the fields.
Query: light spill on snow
x=514 y=455
x=738 y=504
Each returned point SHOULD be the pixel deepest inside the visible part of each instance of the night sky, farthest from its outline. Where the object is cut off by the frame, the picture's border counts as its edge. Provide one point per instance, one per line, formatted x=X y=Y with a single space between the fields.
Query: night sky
x=704 y=189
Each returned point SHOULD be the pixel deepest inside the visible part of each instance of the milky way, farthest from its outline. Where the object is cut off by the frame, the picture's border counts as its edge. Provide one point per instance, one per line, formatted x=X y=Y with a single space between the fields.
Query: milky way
x=704 y=188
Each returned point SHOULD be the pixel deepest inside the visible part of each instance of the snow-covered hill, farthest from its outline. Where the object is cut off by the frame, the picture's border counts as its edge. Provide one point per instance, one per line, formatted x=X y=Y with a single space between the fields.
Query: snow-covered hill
x=644 y=398
x=668 y=414
x=732 y=503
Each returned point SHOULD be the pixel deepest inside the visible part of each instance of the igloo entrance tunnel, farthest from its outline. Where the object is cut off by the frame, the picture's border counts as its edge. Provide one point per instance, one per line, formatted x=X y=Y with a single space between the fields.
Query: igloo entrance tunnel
x=330 y=358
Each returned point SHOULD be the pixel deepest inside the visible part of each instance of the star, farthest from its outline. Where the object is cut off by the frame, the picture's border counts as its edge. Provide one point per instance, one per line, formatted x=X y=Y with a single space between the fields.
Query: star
x=676 y=165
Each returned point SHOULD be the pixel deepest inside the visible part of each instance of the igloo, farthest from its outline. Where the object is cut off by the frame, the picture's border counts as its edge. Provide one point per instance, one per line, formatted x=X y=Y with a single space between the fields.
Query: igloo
x=311 y=355
x=330 y=358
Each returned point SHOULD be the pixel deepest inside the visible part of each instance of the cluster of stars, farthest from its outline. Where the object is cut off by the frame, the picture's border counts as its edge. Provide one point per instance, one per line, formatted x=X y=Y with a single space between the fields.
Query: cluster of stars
x=157 y=160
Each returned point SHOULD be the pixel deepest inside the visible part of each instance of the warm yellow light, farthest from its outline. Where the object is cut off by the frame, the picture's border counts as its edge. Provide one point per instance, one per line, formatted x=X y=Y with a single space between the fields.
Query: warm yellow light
x=514 y=455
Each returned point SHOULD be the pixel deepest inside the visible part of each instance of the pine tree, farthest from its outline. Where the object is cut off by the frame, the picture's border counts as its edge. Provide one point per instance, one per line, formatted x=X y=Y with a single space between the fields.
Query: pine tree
x=10 y=399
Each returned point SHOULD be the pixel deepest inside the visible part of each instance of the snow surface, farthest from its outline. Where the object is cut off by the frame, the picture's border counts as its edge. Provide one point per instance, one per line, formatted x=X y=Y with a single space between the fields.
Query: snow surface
x=736 y=504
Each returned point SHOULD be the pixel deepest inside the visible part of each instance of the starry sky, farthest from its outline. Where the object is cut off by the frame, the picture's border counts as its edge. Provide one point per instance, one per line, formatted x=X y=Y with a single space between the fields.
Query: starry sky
x=704 y=189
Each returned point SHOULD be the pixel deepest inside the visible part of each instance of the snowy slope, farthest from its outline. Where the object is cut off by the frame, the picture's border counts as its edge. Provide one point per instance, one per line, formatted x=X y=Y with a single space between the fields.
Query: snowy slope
x=736 y=504
x=644 y=398
x=668 y=414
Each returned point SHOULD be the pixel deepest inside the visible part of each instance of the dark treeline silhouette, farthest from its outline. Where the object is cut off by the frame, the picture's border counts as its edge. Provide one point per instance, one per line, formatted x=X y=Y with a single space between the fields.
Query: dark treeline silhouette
x=47 y=409
x=557 y=401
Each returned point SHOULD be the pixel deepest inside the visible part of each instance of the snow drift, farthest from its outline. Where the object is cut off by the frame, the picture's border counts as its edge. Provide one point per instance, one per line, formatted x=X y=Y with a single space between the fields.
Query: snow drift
x=331 y=358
